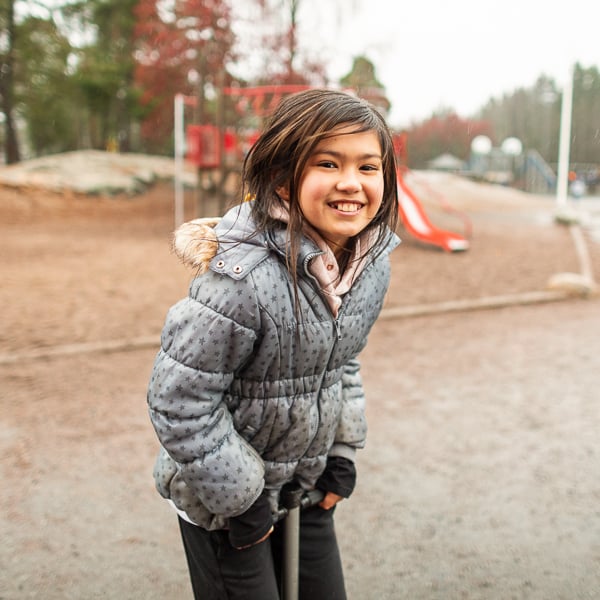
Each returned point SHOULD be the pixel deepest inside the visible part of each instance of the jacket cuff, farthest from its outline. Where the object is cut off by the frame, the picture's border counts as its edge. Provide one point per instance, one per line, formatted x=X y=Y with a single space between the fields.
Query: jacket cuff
x=249 y=527
x=344 y=450
x=339 y=477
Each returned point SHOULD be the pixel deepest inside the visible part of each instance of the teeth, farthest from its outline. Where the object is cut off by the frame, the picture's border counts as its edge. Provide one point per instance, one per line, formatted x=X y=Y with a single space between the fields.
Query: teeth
x=346 y=206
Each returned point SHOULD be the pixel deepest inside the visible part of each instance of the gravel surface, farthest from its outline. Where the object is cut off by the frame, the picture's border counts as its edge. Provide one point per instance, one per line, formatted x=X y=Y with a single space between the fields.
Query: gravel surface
x=480 y=476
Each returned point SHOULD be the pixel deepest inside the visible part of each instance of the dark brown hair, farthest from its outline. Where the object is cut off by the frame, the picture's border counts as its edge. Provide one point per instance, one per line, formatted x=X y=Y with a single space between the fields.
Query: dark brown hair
x=291 y=135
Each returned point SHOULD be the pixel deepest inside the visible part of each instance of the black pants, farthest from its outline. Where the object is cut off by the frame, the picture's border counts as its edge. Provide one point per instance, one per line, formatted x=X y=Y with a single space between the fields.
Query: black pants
x=220 y=572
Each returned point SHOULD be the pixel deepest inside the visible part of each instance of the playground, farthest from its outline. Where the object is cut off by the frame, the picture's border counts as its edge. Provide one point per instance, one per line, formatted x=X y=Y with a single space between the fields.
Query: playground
x=479 y=480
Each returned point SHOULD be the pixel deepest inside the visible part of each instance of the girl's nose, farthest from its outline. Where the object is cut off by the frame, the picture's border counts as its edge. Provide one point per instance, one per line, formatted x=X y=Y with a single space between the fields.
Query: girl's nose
x=348 y=183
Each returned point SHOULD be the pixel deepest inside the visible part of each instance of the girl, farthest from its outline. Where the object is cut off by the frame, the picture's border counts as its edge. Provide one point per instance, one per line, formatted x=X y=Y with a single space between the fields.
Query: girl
x=257 y=384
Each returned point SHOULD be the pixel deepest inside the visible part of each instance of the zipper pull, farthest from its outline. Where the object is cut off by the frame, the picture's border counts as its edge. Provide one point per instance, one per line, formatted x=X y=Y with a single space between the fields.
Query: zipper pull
x=338 y=330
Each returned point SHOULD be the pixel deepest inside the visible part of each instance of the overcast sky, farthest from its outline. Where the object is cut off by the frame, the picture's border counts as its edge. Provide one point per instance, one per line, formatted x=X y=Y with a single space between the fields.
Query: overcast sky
x=453 y=53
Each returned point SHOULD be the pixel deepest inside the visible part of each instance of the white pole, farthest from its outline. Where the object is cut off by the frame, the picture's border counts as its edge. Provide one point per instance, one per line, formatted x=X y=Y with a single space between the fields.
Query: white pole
x=562 y=181
x=179 y=140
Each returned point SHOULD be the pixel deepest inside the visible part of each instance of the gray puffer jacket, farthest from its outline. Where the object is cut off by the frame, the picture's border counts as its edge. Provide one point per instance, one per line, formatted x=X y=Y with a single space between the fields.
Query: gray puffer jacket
x=245 y=393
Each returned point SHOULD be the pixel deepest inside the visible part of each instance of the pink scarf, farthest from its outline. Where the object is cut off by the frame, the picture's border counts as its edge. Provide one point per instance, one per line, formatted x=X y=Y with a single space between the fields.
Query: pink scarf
x=325 y=267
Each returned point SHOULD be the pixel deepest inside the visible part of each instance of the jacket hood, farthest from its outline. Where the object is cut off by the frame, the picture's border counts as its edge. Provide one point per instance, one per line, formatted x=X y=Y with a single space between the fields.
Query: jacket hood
x=195 y=242
x=227 y=245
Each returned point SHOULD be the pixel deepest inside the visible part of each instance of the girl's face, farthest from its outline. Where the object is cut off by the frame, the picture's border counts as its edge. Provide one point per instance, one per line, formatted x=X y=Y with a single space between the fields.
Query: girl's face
x=341 y=188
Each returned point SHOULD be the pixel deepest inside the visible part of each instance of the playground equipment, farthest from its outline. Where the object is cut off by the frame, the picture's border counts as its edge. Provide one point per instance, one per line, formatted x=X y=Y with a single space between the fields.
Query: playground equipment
x=539 y=176
x=217 y=149
x=417 y=223
x=413 y=215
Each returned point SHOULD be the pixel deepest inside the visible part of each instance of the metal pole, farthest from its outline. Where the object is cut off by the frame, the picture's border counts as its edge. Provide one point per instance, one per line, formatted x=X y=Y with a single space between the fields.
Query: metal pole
x=291 y=554
x=200 y=119
x=220 y=122
x=179 y=156
x=291 y=543
x=294 y=500
x=562 y=181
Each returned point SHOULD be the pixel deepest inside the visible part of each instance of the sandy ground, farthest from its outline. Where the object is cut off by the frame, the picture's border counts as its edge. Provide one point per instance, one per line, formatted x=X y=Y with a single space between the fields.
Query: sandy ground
x=480 y=478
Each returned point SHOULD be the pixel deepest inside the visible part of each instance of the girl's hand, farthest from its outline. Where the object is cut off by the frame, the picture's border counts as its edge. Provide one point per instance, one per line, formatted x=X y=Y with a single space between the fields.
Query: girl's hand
x=330 y=500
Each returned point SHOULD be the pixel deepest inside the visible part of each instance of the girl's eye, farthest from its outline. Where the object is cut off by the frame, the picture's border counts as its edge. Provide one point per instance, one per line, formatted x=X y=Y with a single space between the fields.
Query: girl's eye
x=369 y=168
x=327 y=164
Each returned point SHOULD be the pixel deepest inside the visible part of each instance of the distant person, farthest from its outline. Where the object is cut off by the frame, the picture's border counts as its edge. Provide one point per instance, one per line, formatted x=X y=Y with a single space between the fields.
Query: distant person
x=577 y=189
x=257 y=385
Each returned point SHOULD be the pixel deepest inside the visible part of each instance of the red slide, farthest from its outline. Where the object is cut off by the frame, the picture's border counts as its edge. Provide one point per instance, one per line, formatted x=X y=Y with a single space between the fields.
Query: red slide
x=418 y=224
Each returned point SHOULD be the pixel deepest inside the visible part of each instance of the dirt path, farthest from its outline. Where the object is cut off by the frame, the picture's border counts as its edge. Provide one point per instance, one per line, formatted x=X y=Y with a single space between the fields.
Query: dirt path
x=480 y=477
x=480 y=480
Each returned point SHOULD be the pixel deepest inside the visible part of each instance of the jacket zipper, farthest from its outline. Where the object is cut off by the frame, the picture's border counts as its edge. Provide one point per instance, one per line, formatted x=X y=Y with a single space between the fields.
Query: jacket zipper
x=317 y=287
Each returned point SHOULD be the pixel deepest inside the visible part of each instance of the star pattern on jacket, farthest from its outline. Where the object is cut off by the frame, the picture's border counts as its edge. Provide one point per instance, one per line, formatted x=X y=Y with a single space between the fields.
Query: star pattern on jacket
x=250 y=390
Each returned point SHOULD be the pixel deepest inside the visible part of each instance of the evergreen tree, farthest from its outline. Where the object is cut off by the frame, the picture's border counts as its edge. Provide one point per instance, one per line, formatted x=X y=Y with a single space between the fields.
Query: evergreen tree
x=364 y=82
x=43 y=89
x=533 y=116
x=585 y=129
x=105 y=70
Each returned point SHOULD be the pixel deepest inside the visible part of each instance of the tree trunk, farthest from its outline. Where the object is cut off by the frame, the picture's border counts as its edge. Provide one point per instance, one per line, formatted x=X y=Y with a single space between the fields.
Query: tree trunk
x=11 y=144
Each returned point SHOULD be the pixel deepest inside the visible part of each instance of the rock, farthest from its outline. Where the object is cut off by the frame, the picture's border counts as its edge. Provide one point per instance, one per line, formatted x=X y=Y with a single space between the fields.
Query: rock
x=92 y=172
x=572 y=283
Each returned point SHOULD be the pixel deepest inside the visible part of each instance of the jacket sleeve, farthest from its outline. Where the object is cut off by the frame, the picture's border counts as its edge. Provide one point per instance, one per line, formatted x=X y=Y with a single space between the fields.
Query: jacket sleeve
x=204 y=340
x=352 y=426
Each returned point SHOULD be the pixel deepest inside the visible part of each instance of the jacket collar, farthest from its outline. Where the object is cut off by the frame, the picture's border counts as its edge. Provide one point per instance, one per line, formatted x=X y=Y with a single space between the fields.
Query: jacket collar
x=241 y=248
x=231 y=245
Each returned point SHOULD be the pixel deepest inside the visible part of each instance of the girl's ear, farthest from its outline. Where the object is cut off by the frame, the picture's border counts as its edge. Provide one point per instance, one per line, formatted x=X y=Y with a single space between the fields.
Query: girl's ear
x=283 y=192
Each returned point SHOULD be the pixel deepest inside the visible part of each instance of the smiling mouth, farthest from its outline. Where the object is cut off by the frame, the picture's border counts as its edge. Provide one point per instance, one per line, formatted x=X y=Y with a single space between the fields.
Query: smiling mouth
x=346 y=207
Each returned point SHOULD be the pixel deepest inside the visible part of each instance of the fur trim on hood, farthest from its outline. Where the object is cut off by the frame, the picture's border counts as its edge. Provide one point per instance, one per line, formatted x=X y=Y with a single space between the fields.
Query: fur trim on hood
x=195 y=243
